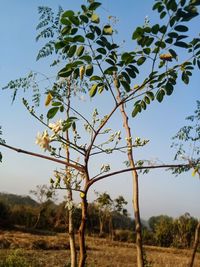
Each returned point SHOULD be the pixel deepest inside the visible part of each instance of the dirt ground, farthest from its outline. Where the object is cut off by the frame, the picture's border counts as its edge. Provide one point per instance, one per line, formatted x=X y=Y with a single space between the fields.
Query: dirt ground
x=53 y=251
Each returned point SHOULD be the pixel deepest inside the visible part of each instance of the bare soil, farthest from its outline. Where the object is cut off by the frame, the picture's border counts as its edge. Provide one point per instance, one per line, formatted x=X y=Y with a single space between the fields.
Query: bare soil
x=53 y=251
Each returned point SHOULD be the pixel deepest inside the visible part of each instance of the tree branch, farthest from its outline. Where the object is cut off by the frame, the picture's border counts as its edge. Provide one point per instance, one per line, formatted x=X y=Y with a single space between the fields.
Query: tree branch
x=77 y=166
x=164 y=166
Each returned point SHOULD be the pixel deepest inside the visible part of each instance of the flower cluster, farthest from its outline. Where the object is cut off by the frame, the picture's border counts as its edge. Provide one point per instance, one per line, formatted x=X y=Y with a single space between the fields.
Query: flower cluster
x=56 y=127
x=43 y=140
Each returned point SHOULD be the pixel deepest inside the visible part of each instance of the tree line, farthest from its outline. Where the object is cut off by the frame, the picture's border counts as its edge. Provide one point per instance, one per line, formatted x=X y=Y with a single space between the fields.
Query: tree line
x=107 y=218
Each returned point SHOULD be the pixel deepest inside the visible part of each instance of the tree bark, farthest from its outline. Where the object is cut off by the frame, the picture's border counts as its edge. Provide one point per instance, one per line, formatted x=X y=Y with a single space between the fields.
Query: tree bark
x=196 y=242
x=72 y=243
x=73 y=254
x=81 y=233
x=138 y=227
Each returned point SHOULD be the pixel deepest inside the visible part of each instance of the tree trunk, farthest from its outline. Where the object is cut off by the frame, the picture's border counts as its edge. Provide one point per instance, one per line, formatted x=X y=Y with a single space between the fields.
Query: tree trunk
x=38 y=218
x=196 y=242
x=81 y=233
x=100 y=226
x=138 y=227
x=73 y=254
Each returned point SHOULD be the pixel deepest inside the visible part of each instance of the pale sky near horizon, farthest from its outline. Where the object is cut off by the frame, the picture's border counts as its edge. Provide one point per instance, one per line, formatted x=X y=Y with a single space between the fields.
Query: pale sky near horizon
x=160 y=192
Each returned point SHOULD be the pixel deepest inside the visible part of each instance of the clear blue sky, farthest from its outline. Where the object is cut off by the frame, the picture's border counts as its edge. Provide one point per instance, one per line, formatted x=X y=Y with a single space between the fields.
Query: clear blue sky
x=160 y=192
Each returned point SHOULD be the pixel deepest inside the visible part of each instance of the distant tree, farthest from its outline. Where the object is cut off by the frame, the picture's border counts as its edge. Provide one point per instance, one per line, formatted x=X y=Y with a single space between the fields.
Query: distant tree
x=43 y=195
x=162 y=227
x=4 y=215
x=104 y=204
x=184 y=229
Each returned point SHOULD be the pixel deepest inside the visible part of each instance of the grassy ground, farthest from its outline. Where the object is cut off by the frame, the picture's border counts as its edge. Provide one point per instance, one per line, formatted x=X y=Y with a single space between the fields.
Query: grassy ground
x=53 y=251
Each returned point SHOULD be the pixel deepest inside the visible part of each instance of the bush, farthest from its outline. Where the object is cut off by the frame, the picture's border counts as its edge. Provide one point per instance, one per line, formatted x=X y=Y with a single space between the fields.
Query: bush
x=40 y=244
x=15 y=259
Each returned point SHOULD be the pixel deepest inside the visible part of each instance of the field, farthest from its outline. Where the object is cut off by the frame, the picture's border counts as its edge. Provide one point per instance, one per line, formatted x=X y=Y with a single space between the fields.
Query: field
x=53 y=250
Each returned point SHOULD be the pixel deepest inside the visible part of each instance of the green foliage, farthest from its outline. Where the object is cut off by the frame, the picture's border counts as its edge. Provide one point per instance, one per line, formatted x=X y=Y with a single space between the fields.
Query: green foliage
x=48 y=26
x=188 y=137
x=25 y=83
x=15 y=259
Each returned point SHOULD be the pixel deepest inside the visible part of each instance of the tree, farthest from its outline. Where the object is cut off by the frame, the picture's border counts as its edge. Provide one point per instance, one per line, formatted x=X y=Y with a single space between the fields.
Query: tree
x=92 y=60
x=186 y=143
x=44 y=195
x=104 y=204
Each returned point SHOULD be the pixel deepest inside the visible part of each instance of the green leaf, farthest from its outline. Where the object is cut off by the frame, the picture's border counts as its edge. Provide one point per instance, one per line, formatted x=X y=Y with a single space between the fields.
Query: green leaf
x=147 y=100
x=126 y=76
x=173 y=34
x=173 y=53
x=125 y=85
x=102 y=50
x=181 y=44
x=155 y=29
x=185 y=77
x=150 y=95
x=86 y=58
x=95 y=18
x=72 y=51
x=65 y=72
x=95 y=78
x=198 y=63
x=131 y=72
x=68 y=13
x=89 y=70
x=136 y=110
x=143 y=105
x=169 y=88
x=138 y=33
x=181 y=28
x=110 y=70
x=73 y=31
x=141 y=60
x=107 y=30
x=74 y=20
x=163 y=29
x=90 y=35
x=84 y=18
x=109 y=61
x=93 y=90
x=56 y=104
x=163 y=14
x=94 y=5
x=60 y=45
x=80 y=51
x=52 y=112
x=147 y=51
x=79 y=38
x=160 y=95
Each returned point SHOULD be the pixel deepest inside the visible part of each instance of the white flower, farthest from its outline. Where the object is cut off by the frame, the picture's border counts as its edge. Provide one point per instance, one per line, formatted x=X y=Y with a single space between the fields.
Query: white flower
x=43 y=140
x=56 y=127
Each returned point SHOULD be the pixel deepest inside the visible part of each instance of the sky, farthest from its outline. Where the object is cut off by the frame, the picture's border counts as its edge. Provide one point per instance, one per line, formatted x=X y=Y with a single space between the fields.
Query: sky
x=160 y=191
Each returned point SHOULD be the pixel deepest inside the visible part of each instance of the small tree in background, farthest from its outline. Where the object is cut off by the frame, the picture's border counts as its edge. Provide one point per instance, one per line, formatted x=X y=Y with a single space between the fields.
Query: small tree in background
x=44 y=196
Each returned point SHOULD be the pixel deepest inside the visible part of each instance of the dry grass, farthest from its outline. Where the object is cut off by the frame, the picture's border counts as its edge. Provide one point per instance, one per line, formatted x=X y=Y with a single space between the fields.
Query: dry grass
x=53 y=251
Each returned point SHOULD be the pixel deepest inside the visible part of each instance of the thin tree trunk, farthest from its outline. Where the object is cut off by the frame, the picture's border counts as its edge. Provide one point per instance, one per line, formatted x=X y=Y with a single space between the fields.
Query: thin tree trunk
x=196 y=242
x=81 y=233
x=140 y=256
x=73 y=254
x=38 y=218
